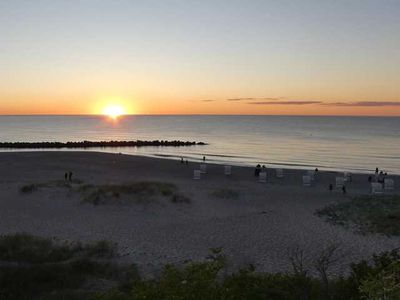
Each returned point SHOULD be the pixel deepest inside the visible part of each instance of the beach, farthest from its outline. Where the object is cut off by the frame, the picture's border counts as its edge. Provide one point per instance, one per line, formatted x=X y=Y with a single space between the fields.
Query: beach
x=258 y=224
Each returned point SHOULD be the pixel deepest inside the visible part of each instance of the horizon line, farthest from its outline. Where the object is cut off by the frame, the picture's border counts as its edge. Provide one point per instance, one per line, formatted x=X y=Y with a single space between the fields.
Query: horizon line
x=123 y=115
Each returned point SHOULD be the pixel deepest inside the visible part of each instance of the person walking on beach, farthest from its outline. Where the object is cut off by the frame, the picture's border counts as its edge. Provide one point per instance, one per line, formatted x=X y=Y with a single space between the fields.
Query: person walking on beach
x=182 y=160
x=70 y=176
x=66 y=176
x=204 y=158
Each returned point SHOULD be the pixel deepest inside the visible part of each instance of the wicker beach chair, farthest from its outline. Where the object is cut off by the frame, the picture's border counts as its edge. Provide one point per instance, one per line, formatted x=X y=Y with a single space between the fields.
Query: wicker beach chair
x=339 y=182
x=311 y=173
x=262 y=177
x=196 y=174
x=203 y=168
x=388 y=184
x=227 y=170
x=347 y=176
x=376 y=188
x=307 y=180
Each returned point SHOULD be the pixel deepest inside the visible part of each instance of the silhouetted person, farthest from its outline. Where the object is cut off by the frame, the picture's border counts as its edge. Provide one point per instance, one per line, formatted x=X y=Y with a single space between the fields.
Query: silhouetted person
x=257 y=170
x=344 y=189
x=70 y=176
x=380 y=177
x=182 y=160
x=316 y=170
x=376 y=171
x=66 y=176
x=330 y=187
x=263 y=168
x=369 y=178
x=204 y=158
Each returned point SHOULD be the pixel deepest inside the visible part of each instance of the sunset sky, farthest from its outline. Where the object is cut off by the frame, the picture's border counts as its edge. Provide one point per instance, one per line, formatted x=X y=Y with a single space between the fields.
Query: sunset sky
x=200 y=57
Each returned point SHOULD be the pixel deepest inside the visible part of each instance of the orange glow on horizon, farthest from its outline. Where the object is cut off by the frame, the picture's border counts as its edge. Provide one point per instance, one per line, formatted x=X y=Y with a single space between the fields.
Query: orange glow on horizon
x=174 y=105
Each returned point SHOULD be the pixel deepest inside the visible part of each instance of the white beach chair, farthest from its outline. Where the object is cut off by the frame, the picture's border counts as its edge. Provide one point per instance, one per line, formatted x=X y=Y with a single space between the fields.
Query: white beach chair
x=203 y=168
x=227 y=170
x=196 y=174
x=376 y=188
x=347 y=176
x=388 y=184
x=262 y=177
x=279 y=173
x=311 y=173
x=306 y=180
x=339 y=182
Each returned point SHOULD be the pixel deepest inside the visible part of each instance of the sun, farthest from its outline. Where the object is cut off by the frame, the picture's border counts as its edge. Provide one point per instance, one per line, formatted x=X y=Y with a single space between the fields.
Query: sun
x=113 y=111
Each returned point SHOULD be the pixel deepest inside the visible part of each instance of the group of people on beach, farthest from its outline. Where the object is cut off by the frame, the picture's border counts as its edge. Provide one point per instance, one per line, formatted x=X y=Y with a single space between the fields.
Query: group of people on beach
x=68 y=176
x=186 y=162
x=259 y=169
x=379 y=176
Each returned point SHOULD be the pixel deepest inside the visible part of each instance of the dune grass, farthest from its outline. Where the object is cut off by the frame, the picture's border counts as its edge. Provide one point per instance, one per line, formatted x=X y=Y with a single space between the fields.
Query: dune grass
x=29 y=188
x=225 y=193
x=137 y=192
x=370 y=214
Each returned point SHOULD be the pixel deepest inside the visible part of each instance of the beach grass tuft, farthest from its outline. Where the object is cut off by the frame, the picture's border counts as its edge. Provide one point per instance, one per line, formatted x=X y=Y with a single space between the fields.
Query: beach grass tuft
x=371 y=214
x=225 y=193
x=29 y=188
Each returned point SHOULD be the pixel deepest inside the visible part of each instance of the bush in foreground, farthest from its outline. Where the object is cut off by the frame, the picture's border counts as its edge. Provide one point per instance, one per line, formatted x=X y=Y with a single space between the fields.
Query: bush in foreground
x=73 y=271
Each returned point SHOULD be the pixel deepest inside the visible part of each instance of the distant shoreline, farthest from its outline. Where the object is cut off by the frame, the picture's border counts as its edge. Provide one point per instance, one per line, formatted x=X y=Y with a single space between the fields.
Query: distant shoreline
x=91 y=144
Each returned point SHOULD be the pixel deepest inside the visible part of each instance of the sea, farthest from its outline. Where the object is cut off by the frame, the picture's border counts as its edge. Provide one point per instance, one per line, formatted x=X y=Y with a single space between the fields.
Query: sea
x=355 y=144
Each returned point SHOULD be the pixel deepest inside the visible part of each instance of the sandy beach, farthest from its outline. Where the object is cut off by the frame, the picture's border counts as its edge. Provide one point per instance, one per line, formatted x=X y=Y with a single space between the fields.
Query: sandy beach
x=258 y=226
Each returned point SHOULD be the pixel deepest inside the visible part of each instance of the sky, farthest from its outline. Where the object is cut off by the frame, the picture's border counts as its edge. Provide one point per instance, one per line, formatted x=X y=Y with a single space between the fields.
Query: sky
x=200 y=57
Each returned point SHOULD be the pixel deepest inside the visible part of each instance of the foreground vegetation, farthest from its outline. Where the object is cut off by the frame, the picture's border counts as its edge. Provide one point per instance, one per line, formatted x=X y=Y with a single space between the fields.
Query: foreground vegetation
x=37 y=268
x=371 y=214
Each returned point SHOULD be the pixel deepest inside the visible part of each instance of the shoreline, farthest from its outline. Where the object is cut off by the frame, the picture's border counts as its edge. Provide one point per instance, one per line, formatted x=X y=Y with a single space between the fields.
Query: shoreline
x=175 y=157
x=257 y=223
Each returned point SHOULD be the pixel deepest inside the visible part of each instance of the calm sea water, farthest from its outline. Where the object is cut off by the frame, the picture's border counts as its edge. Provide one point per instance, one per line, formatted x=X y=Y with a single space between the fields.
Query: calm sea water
x=332 y=143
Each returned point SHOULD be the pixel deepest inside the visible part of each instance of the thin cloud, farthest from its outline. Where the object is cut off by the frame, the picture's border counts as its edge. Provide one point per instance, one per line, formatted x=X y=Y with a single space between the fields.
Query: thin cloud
x=364 y=103
x=252 y=99
x=284 y=102
x=240 y=99
x=207 y=100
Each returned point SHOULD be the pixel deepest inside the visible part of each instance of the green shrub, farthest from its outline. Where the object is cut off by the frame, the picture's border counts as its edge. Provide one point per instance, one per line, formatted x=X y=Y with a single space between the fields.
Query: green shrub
x=370 y=214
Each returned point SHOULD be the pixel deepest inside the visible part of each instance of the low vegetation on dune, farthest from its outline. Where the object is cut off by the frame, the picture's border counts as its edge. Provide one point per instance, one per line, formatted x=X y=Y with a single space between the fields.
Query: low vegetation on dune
x=370 y=214
x=37 y=268
x=136 y=192
x=225 y=193
x=29 y=188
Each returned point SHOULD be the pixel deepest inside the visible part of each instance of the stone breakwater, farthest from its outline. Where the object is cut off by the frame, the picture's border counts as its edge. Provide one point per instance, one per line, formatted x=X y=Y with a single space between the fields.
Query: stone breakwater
x=92 y=144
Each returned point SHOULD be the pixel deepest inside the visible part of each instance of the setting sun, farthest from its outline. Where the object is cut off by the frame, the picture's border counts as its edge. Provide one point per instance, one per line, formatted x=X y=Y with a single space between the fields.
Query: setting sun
x=113 y=111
